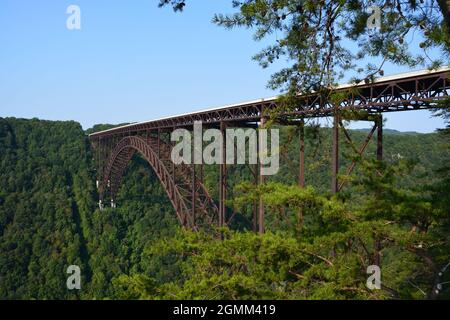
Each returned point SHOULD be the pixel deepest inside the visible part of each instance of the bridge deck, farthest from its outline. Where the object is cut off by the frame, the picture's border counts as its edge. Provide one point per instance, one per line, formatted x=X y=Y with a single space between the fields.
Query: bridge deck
x=402 y=92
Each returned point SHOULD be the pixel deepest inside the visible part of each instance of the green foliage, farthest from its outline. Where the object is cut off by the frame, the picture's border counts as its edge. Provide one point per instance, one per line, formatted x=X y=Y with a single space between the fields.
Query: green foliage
x=324 y=41
x=48 y=216
x=318 y=246
x=325 y=257
x=43 y=165
x=394 y=214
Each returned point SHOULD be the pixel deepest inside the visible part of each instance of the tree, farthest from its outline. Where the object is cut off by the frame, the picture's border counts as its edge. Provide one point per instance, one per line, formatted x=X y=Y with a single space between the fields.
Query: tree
x=318 y=37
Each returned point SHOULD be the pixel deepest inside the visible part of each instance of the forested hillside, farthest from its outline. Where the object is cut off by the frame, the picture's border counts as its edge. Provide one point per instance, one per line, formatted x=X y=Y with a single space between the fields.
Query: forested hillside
x=49 y=220
x=45 y=196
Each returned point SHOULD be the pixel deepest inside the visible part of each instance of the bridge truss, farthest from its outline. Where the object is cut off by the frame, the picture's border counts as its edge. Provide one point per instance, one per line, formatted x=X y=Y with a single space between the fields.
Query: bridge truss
x=194 y=206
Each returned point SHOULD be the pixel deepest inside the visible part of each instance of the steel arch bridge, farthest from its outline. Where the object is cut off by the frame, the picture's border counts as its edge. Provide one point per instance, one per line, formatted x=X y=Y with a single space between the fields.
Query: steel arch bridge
x=200 y=207
x=194 y=206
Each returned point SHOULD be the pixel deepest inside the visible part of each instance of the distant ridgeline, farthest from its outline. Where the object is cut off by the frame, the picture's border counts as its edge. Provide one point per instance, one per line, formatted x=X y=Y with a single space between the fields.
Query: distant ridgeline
x=49 y=217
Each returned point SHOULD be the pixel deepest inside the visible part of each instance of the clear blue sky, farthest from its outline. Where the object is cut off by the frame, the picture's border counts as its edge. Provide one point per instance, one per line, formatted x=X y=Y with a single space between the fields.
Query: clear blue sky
x=131 y=62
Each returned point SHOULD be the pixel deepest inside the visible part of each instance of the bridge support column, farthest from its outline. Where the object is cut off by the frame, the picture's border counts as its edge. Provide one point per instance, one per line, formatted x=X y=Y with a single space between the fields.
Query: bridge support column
x=193 y=196
x=173 y=167
x=101 y=168
x=335 y=155
x=159 y=143
x=255 y=203
x=379 y=123
x=261 y=217
x=223 y=179
x=301 y=173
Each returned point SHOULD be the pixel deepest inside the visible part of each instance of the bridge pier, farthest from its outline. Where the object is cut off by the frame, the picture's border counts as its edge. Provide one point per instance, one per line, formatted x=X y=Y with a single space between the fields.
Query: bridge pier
x=261 y=216
x=301 y=169
x=223 y=179
x=193 y=196
x=335 y=154
x=379 y=123
x=255 y=203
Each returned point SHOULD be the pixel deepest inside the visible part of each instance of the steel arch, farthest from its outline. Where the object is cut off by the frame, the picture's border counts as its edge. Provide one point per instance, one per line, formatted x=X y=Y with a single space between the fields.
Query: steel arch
x=184 y=207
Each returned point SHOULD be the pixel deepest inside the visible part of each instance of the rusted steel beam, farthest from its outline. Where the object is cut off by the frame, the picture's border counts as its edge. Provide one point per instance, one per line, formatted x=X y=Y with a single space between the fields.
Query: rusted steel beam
x=347 y=136
x=335 y=155
x=255 y=203
x=301 y=174
x=222 y=180
x=193 y=195
x=360 y=153
x=261 y=216
x=379 y=124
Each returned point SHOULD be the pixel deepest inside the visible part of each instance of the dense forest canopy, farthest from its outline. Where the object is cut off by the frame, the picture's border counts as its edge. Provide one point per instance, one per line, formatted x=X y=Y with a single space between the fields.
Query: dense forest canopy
x=49 y=220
